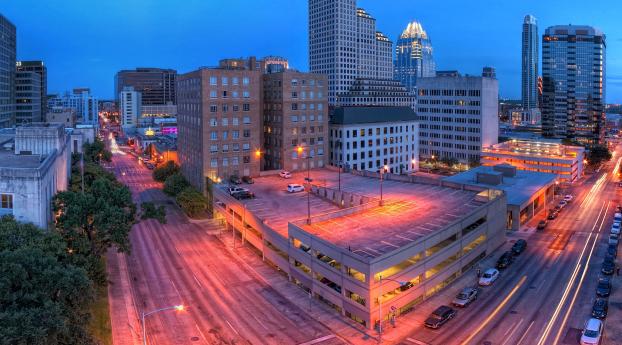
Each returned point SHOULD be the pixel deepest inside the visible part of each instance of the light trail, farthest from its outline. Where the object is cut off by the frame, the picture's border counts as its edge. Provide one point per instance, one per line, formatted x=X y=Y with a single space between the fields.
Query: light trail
x=114 y=148
x=496 y=311
x=594 y=190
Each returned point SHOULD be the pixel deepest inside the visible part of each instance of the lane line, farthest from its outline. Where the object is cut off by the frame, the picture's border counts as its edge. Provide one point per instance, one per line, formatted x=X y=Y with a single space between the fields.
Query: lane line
x=236 y=332
x=508 y=337
x=525 y=334
x=318 y=340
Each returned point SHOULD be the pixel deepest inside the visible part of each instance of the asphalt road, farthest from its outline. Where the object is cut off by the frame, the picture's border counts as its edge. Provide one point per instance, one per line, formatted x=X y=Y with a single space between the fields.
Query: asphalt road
x=181 y=263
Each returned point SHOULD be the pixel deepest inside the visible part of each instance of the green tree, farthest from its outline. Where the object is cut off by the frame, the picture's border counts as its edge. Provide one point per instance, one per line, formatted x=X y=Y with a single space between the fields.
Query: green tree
x=474 y=163
x=174 y=184
x=192 y=202
x=165 y=170
x=597 y=154
x=96 y=151
x=149 y=210
x=92 y=171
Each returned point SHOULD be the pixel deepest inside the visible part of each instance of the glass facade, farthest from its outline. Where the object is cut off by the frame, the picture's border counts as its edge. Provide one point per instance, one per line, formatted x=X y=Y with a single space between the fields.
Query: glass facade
x=413 y=56
x=529 y=82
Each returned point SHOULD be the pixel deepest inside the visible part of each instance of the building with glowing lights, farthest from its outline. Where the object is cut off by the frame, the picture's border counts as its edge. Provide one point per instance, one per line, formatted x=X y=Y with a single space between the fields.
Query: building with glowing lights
x=542 y=156
x=530 y=58
x=156 y=85
x=573 y=76
x=27 y=97
x=413 y=56
x=377 y=93
x=39 y=68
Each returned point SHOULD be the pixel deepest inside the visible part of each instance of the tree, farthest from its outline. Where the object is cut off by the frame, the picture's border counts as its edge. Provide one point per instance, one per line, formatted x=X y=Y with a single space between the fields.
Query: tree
x=474 y=163
x=165 y=170
x=96 y=151
x=92 y=171
x=174 y=184
x=597 y=154
x=449 y=161
x=149 y=210
x=192 y=202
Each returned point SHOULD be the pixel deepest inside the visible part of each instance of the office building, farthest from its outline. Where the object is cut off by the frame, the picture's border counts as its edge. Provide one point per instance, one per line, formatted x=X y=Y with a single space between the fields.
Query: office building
x=458 y=116
x=156 y=85
x=219 y=119
x=81 y=100
x=564 y=161
x=130 y=102
x=530 y=58
x=42 y=71
x=66 y=116
x=377 y=92
x=413 y=56
x=573 y=73
x=370 y=138
x=344 y=44
x=27 y=97
x=34 y=166
x=7 y=72
x=295 y=121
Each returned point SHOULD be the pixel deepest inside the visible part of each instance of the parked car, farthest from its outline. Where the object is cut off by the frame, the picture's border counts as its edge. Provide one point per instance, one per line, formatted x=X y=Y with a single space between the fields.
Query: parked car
x=619 y=209
x=613 y=239
x=248 y=179
x=236 y=189
x=603 y=289
x=150 y=166
x=245 y=194
x=489 y=277
x=285 y=174
x=592 y=332
x=558 y=209
x=505 y=260
x=542 y=224
x=568 y=197
x=617 y=217
x=600 y=308
x=608 y=266
x=439 y=316
x=563 y=203
x=519 y=247
x=295 y=188
x=612 y=250
x=235 y=179
x=552 y=214
x=466 y=296
x=615 y=228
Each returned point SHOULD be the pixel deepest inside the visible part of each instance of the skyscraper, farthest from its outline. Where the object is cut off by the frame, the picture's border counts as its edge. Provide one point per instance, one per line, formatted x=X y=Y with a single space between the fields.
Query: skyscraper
x=413 y=56
x=27 y=98
x=529 y=80
x=39 y=68
x=344 y=44
x=7 y=72
x=573 y=77
x=156 y=85
x=130 y=105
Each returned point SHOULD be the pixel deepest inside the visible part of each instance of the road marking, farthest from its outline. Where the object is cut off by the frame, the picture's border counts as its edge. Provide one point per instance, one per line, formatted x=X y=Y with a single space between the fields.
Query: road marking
x=200 y=332
x=418 y=342
x=496 y=311
x=318 y=340
x=525 y=334
x=236 y=332
x=508 y=337
x=197 y=280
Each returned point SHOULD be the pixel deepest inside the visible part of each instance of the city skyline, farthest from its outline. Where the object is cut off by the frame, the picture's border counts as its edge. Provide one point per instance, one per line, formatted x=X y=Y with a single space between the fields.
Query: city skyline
x=70 y=61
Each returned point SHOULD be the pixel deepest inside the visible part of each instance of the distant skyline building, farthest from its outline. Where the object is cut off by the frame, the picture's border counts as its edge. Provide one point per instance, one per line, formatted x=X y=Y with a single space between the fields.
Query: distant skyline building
x=40 y=68
x=27 y=98
x=81 y=100
x=156 y=85
x=345 y=45
x=573 y=74
x=7 y=72
x=413 y=56
x=130 y=102
x=530 y=58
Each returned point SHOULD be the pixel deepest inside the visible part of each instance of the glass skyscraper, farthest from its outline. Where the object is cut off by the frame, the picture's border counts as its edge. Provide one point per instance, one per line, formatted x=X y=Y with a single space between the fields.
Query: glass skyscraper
x=530 y=55
x=7 y=72
x=413 y=56
x=573 y=75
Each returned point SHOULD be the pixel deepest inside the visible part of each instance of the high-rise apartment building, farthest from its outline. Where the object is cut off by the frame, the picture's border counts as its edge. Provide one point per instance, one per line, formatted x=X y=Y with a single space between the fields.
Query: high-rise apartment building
x=295 y=121
x=413 y=56
x=27 y=98
x=156 y=85
x=42 y=71
x=7 y=72
x=219 y=120
x=377 y=92
x=573 y=73
x=344 y=45
x=458 y=116
x=130 y=103
x=530 y=56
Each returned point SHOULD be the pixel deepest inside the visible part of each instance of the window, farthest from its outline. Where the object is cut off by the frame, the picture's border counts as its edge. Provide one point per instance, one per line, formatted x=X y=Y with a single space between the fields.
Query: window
x=213 y=108
x=225 y=148
x=246 y=94
x=247 y=133
x=213 y=94
x=235 y=121
x=246 y=120
x=225 y=162
x=213 y=80
x=225 y=81
x=225 y=108
x=214 y=163
x=235 y=134
x=294 y=106
x=225 y=121
x=213 y=122
x=294 y=82
x=235 y=81
x=294 y=94
x=225 y=135
x=246 y=147
x=245 y=81
x=6 y=201
x=246 y=107
x=235 y=160
x=235 y=94
x=213 y=148
x=214 y=135
x=294 y=118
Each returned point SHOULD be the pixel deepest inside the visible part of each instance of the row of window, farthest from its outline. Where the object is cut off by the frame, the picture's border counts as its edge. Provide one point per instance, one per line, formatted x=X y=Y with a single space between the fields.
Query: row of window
x=225 y=81
x=227 y=94
x=225 y=121
x=449 y=92
x=226 y=161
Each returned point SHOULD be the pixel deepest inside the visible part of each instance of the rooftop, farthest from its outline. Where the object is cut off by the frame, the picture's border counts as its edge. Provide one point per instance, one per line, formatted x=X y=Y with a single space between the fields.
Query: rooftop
x=539 y=147
x=358 y=115
x=8 y=159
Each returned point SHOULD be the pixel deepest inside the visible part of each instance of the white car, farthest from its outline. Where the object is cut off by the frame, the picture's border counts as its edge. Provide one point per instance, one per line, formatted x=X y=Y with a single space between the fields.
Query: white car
x=615 y=228
x=613 y=239
x=568 y=197
x=592 y=332
x=489 y=276
x=617 y=217
x=295 y=188
x=285 y=174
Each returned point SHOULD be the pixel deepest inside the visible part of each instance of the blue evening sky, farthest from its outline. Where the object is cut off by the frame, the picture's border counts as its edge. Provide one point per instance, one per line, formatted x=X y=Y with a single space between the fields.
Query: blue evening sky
x=84 y=42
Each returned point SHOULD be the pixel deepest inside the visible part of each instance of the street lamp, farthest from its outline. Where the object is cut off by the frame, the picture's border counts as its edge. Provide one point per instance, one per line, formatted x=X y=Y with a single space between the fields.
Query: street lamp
x=413 y=162
x=179 y=307
x=383 y=170
x=380 y=303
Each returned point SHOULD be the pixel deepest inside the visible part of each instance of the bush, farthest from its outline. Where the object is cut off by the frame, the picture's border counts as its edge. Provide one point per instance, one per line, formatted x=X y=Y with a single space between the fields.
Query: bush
x=192 y=202
x=165 y=170
x=174 y=184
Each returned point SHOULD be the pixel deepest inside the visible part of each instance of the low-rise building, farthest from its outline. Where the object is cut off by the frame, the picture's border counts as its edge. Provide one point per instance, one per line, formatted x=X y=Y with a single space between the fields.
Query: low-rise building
x=66 y=116
x=528 y=192
x=368 y=138
x=538 y=155
x=34 y=165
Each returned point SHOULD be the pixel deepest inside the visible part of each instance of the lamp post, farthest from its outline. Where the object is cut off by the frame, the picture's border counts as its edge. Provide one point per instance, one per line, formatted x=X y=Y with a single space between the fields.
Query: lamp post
x=380 y=304
x=144 y=315
x=383 y=170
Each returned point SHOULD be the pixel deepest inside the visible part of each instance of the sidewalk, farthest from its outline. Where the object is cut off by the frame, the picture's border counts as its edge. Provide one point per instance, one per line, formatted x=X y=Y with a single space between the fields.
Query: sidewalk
x=125 y=328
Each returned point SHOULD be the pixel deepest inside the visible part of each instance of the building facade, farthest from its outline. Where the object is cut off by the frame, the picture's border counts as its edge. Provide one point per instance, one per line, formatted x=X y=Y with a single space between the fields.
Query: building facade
x=156 y=85
x=370 y=138
x=7 y=72
x=267 y=64
x=413 y=56
x=81 y=100
x=66 y=116
x=458 y=116
x=130 y=103
x=42 y=71
x=377 y=92
x=573 y=73
x=219 y=123
x=344 y=45
x=530 y=57
x=27 y=97
x=295 y=121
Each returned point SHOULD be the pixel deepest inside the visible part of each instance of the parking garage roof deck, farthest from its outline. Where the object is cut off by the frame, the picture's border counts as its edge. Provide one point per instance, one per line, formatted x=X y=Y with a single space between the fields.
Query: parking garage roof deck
x=411 y=211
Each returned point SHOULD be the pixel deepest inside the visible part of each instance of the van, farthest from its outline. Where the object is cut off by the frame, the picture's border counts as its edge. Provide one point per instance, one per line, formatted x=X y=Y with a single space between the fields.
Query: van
x=617 y=217
x=295 y=188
